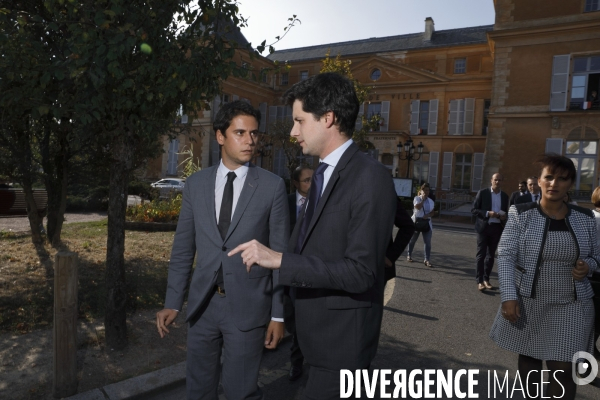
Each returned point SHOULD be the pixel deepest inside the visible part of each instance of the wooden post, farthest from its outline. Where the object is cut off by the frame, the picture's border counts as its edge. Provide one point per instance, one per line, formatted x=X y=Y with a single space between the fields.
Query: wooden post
x=65 y=325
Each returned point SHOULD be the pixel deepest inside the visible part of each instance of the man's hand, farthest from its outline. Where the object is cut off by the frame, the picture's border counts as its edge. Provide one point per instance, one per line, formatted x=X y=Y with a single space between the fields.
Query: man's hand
x=511 y=310
x=580 y=270
x=164 y=318
x=388 y=263
x=253 y=252
x=274 y=334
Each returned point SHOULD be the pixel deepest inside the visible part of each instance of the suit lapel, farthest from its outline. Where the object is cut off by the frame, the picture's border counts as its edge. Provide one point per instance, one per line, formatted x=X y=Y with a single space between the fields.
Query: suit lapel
x=209 y=197
x=348 y=154
x=248 y=190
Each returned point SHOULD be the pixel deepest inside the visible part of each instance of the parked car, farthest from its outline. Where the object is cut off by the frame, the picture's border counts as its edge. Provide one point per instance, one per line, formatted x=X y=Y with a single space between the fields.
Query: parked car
x=169 y=183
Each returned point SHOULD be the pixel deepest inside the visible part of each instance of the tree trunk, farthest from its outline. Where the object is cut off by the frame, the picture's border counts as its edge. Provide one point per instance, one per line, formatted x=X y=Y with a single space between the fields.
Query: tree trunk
x=116 y=296
x=56 y=174
x=32 y=213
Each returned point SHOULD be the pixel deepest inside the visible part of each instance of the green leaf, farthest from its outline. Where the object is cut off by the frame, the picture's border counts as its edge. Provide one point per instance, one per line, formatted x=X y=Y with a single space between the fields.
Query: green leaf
x=59 y=74
x=182 y=86
x=43 y=110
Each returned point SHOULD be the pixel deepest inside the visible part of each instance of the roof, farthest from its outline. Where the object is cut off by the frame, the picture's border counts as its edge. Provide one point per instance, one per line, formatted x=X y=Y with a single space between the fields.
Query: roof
x=411 y=41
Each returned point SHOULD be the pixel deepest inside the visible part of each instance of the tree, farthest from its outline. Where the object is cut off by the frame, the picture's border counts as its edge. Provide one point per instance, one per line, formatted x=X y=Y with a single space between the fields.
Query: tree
x=369 y=123
x=279 y=135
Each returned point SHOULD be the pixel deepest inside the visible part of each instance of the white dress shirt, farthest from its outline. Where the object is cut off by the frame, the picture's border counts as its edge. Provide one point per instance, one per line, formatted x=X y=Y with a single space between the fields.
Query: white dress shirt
x=332 y=160
x=535 y=197
x=496 y=205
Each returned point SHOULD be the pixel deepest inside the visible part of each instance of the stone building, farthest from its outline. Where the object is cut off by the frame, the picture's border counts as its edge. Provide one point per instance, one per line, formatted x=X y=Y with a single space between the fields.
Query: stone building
x=546 y=69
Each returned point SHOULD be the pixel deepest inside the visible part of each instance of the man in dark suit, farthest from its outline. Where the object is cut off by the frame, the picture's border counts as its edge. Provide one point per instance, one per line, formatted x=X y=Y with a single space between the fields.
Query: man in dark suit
x=223 y=206
x=533 y=194
x=491 y=208
x=335 y=259
x=515 y=195
x=301 y=178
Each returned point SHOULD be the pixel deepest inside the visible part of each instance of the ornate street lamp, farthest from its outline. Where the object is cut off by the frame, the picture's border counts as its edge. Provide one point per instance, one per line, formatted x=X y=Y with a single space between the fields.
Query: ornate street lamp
x=409 y=150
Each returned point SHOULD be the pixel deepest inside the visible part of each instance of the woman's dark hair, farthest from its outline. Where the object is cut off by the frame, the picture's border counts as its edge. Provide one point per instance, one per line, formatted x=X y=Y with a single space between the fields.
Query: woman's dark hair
x=557 y=164
x=231 y=110
x=326 y=92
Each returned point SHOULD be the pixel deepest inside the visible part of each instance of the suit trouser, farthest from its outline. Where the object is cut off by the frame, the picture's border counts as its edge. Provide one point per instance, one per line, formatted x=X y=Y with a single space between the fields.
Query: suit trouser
x=209 y=334
x=296 y=357
x=487 y=243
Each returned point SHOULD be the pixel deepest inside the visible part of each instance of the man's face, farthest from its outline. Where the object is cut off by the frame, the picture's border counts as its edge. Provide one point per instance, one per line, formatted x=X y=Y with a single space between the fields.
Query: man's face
x=304 y=184
x=522 y=187
x=532 y=186
x=239 y=141
x=309 y=133
x=496 y=182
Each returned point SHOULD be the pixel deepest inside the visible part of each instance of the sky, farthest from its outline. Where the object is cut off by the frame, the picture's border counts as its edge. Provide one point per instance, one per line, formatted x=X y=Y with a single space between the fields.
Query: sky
x=331 y=21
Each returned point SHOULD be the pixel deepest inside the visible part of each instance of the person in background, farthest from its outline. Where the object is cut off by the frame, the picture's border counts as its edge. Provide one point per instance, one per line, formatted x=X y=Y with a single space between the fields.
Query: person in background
x=301 y=178
x=515 y=195
x=490 y=208
x=534 y=191
x=546 y=254
x=569 y=200
x=423 y=208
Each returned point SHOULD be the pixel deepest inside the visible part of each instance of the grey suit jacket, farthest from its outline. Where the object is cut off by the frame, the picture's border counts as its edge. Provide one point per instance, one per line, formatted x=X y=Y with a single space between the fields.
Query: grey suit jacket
x=261 y=213
x=339 y=274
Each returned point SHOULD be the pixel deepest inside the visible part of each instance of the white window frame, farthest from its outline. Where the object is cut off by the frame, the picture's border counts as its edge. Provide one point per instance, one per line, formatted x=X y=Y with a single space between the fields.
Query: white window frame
x=477 y=171
x=461 y=116
x=591 y=6
x=415 y=114
x=578 y=157
x=462 y=165
x=447 y=170
x=460 y=65
x=172 y=160
x=434 y=158
x=284 y=79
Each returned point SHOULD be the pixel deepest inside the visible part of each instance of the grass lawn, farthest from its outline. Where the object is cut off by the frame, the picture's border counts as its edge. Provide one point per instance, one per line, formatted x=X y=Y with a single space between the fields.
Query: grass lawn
x=26 y=298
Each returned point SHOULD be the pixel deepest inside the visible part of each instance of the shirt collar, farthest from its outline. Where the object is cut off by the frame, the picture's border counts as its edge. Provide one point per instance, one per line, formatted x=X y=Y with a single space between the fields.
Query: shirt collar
x=334 y=157
x=240 y=172
x=492 y=190
x=298 y=197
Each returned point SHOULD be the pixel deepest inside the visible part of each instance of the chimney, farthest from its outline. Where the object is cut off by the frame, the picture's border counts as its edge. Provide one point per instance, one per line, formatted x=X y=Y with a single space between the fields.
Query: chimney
x=429 y=29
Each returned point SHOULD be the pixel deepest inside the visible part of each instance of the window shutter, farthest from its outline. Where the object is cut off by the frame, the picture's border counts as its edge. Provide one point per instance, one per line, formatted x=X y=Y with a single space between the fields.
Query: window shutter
x=272 y=114
x=361 y=111
x=385 y=114
x=554 y=145
x=414 y=117
x=469 y=116
x=172 y=161
x=289 y=114
x=433 y=117
x=477 y=171
x=216 y=106
x=434 y=158
x=235 y=97
x=560 y=82
x=453 y=117
x=263 y=117
x=447 y=171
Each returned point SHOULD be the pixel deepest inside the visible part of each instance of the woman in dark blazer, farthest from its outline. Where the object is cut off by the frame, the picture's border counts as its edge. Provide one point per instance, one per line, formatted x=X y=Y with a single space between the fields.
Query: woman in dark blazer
x=546 y=253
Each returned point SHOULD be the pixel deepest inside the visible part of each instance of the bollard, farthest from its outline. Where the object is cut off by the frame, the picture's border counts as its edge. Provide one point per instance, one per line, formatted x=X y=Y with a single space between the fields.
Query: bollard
x=64 y=383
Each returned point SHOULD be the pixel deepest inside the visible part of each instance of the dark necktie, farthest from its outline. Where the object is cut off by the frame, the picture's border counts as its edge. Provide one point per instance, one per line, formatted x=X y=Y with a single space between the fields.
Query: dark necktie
x=225 y=216
x=316 y=187
x=534 y=196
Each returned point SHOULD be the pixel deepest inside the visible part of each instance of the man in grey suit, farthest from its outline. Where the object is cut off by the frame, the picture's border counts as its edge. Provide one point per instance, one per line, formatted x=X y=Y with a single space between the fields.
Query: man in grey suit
x=223 y=206
x=335 y=259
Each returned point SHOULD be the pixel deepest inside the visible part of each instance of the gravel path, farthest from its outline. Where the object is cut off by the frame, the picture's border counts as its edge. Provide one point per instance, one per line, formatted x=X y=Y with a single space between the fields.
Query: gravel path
x=21 y=224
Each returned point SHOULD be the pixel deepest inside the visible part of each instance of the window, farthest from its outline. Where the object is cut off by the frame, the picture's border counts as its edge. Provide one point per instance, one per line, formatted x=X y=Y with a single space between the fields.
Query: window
x=585 y=83
x=246 y=70
x=374 y=109
x=421 y=169
x=460 y=65
x=461 y=116
x=285 y=76
x=172 y=160
x=592 y=5
x=280 y=114
x=486 y=113
x=303 y=75
x=263 y=75
x=584 y=155
x=225 y=98
x=375 y=74
x=462 y=171
x=423 y=117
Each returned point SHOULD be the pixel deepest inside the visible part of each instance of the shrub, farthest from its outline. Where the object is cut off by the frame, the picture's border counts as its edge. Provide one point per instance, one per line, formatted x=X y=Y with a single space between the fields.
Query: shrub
x=156 y=211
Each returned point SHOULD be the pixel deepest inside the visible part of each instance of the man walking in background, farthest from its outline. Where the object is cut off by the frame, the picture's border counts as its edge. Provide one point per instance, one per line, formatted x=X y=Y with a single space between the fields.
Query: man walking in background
x=223 y=206
x=335 y=259
x=534 y=191
x=490 y=208
x=301 y=178
x=515 y=195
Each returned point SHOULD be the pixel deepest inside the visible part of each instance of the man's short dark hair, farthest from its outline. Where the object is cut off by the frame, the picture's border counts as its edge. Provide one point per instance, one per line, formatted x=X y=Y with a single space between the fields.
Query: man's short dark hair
x=532 y=178
x=425 y=185
x=523 y=183
x=298 y=171
x=231 y=110
x=326 y=92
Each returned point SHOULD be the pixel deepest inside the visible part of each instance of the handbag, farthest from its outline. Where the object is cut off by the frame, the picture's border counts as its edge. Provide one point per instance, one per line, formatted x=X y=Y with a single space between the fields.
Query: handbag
x=422 y=224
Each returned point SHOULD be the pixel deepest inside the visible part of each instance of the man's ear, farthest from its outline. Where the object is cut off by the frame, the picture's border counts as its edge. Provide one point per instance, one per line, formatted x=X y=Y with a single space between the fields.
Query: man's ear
x=329 y=119
x=220 y=137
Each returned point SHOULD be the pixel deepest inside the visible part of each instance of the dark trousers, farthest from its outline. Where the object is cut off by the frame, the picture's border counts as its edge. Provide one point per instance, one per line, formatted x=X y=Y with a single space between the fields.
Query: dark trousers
x=487 y=243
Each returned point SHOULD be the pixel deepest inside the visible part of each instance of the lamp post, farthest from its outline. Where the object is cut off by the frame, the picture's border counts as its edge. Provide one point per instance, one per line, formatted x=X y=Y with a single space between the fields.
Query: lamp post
x=409 y=150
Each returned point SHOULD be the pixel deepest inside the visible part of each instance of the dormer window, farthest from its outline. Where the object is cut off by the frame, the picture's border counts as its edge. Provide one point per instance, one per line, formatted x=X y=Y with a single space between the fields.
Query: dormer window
x=375 y=74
